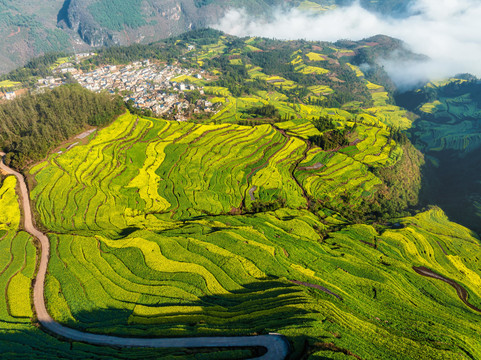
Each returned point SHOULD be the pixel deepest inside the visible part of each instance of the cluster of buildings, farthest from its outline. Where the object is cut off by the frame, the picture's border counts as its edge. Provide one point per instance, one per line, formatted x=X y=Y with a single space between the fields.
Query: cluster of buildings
x=162 y=89
x=10 y=95
x=49 y=82
x=148 y=86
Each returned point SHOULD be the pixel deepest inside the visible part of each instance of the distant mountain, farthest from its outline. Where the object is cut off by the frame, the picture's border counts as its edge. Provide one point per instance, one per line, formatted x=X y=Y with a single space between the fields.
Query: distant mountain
x=32 y=27
x=29 y=28
x=391 y=7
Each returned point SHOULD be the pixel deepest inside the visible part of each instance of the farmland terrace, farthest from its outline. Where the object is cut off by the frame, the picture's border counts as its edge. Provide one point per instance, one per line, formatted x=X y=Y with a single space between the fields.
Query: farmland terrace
x=272 y=214
x=154 y=240
x=276 y=345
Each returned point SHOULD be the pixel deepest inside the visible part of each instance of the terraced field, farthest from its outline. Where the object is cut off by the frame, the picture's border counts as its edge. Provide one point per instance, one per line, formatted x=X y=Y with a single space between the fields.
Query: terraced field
x=162 y=228
x=123 y=178
x=145 y=243
x=19 y=338
x=448 y=129
x=303 y=68
x=6 y=84
x=325 y=83
x=451 y=121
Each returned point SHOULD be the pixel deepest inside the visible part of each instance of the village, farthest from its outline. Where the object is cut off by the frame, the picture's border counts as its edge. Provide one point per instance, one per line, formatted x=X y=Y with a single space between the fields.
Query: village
x=158 y=88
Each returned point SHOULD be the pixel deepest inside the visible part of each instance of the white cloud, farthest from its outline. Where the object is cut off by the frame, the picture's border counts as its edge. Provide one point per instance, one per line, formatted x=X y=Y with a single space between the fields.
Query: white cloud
x=448 y=31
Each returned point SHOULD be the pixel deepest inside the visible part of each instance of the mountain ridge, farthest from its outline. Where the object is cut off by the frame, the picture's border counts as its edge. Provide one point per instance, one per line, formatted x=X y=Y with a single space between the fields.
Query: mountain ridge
x=31 y=28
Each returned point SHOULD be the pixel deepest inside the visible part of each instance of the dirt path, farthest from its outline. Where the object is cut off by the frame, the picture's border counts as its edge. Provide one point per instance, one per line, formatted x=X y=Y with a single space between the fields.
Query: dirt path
x=276 y=345
x=85 y=134
x=314 y=286
x=251 y=193
x=461 y=291
x=297 y=163
x=14 y=32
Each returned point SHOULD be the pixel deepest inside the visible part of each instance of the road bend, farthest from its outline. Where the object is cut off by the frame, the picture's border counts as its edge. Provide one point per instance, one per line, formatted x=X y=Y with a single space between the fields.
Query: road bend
x=277 y=345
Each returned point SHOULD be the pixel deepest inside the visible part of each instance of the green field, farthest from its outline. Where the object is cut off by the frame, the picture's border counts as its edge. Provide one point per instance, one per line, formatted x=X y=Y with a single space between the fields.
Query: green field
x=150 y=236
x=8 y=84
x=19 y=338
x=129 y=171
x=238 y=224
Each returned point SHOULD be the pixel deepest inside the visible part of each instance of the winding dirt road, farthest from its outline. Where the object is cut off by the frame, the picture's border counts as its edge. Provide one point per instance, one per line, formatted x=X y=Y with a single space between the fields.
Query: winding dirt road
x=461 y=291
x=276 y=345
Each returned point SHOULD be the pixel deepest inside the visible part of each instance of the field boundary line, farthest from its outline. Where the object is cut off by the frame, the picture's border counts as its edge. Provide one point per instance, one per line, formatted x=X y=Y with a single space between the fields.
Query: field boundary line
x=277 y=345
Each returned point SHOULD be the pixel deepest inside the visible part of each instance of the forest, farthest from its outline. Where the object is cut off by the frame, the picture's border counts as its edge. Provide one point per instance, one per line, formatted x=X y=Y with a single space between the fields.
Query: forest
x=33 y=124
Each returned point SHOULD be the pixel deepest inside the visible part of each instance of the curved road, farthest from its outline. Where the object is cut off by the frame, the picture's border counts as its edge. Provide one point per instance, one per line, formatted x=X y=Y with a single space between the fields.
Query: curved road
x=461 y=291
x=276 y=345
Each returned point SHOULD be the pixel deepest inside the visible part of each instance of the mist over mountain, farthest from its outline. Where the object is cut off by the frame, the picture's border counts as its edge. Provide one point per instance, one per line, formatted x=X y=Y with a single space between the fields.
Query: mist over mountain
x=446 y=31
x=32 y=27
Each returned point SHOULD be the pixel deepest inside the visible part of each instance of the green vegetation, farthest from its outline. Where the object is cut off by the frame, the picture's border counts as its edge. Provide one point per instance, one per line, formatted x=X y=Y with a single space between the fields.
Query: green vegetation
x=32 y=125
x=448 y=132
x=118 y=14
x=449 y=114
x=300 y=223
x=8 y=84
x=35 y=68
x=221 y=163
x=122 y=248
x=19 y=338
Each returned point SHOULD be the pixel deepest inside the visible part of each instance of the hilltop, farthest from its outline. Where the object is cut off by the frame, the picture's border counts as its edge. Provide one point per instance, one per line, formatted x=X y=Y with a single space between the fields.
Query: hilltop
x=291 y=206
x=31 y=28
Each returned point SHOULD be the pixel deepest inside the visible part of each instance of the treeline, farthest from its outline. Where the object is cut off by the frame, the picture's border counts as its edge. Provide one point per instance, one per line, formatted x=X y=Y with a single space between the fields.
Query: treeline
x=398 y=136
x=169 y=50
x=266 y=111
x=236 y=78
x=120 y=55
x=273 y=62
x=331 y=140
x=402 y=184
x=331 y=137
x=397 y=196
x=32 y=125
x=264 y=206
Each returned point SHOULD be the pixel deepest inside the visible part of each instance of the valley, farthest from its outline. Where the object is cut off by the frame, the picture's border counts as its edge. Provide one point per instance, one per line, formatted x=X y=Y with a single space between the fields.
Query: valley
x=31 y=28
x=292 y=207
x=448 y=131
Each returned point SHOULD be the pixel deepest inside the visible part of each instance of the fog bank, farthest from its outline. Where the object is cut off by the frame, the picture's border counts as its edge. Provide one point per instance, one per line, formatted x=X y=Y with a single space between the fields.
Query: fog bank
x=448 y=31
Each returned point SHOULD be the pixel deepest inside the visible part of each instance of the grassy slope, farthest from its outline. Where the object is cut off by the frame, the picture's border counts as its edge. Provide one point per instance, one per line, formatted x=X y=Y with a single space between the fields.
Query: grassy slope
x=145 y=240
x=19 y=338
x=120 y=250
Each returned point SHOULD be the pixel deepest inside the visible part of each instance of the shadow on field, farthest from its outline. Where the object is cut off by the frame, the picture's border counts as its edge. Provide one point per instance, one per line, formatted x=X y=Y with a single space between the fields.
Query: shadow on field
x=451 y=178
x=320 y=348
x=25 y=341
x=127 y=231
x=257 y=308
x=455 y=186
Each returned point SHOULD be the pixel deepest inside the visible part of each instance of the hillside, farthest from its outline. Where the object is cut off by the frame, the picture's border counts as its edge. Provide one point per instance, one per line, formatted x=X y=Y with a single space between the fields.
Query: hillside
x=291 y=206
x=28 y=29
x=33 y=27
x=448 y=131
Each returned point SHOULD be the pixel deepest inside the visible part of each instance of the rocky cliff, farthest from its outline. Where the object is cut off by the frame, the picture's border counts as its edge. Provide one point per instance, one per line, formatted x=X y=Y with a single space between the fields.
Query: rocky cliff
x=30 y=28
